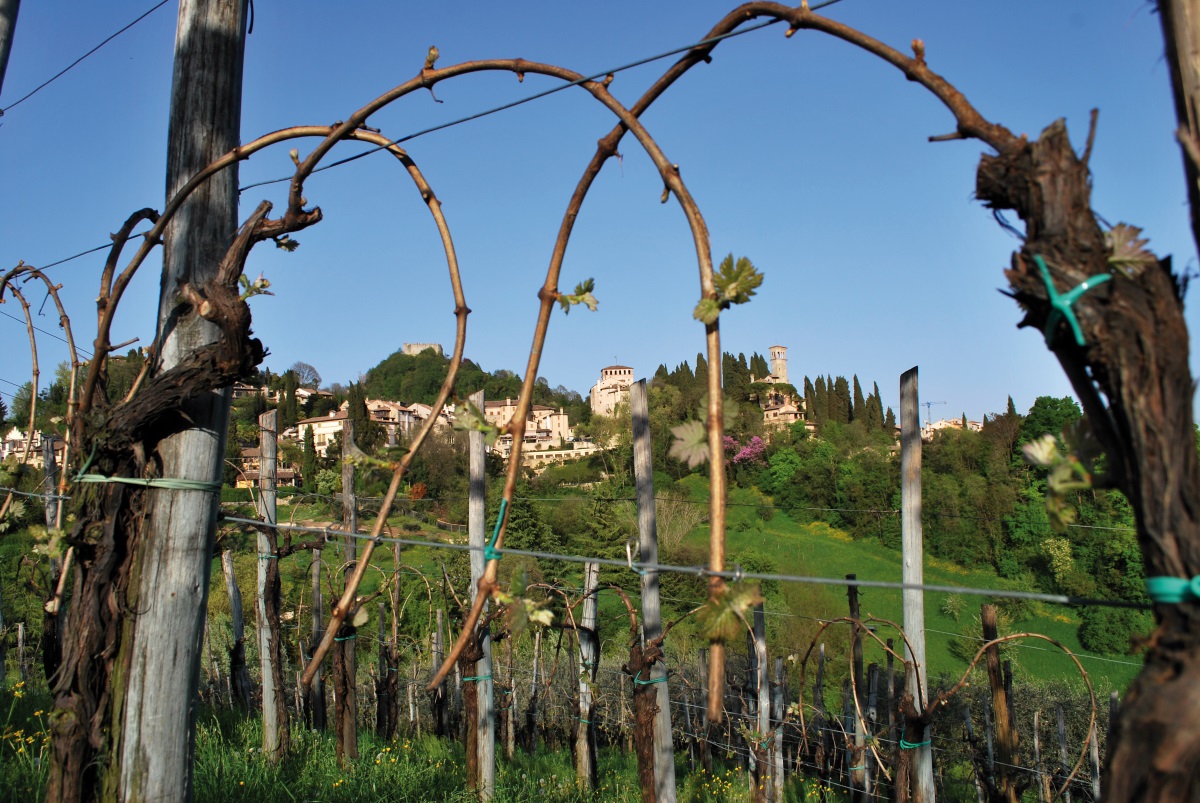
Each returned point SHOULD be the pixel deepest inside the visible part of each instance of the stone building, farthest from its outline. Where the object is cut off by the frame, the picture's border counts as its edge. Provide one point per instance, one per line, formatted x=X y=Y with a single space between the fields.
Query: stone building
x=611 y=390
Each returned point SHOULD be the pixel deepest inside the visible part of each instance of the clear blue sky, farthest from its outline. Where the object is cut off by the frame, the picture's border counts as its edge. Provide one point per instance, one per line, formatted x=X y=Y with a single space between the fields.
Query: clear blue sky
x=804 y=154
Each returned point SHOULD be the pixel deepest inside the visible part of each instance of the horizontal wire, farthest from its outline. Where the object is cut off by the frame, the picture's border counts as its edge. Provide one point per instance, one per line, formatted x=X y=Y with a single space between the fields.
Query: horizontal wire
x=536 y=96
x=736 y=575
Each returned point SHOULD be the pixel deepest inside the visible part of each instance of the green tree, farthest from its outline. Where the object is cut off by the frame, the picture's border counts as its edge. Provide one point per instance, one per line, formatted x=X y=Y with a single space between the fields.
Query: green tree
x=840 y=401
x=858 y=410
x=1049 y=415
x=310 y=461
x=288 y=409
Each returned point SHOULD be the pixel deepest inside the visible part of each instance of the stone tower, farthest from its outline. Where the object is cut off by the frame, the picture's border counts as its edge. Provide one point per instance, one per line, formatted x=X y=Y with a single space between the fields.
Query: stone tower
x=779 y=364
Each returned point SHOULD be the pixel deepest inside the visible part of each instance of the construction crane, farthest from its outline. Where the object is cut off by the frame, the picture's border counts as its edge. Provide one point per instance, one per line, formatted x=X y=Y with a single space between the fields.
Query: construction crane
x=927 y=405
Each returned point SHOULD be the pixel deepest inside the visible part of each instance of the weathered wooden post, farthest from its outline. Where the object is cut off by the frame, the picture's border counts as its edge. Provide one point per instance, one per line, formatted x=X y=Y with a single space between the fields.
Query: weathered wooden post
x=276 y=734
x=240 y=689
x=485 y=724
x=913 y=574
x=531 y=734
x=157 y=720
x=9 y=10
x=761 y=692
x=437 y=703
x=643 y=470
x=345 y=669
x=1005 y=743
x=21 y=651
x=824 y=749
x=589 y=657
x=858 y=774
x=705 y=745
x=314 y=697
x=50 y=478
x=1064 y=766
x=777 y=715
x=1043 y=782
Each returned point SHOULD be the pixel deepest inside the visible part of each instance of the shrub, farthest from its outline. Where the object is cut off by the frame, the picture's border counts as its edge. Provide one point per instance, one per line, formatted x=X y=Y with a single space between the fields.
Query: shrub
x=1110 y=631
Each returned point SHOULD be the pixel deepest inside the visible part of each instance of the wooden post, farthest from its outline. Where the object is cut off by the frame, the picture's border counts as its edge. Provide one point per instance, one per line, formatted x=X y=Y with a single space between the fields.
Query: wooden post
x=437 y=699
x=9 y=10
x=1043 y=783
x=51 y=631
x=643 y=470
x=345 y=669
x=824 y=752
x=762 y=695
x=276 y=734
x=589 y=657
x=891 y=692
x=1094 y=761
x=239 y=676
x=314 y=697
x=485 y=726
x=706 y=761
x=859 y=775
x=1064 y=767
x=510 y=721
x=50 y=478
x=1005 y=748
x=531 y=735
x=21 y=651
x=913 y=573
x=163 y=648
x=383 y=699
x=777 y=715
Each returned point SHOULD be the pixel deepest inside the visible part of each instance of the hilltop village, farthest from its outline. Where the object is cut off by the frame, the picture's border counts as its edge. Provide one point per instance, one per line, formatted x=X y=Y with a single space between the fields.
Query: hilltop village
x=317 y=415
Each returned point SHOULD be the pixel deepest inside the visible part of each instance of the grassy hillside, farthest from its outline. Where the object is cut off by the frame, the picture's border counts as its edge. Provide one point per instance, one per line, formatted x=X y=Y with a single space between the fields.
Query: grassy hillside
x=817 y=550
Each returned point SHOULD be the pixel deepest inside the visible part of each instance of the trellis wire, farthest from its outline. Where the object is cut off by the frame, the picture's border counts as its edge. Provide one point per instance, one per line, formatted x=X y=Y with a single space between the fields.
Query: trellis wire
x=699 y=571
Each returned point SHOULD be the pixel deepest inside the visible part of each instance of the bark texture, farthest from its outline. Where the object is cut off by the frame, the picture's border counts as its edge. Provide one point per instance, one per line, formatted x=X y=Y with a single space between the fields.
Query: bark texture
x=1133 y=379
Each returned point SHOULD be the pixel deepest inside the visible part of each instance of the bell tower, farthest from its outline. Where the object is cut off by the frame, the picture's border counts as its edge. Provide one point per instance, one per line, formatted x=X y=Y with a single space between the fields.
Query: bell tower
x=779 y=363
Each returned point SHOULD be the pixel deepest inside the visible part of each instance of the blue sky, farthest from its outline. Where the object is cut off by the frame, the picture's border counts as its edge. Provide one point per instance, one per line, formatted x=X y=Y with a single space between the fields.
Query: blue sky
x=804 y=154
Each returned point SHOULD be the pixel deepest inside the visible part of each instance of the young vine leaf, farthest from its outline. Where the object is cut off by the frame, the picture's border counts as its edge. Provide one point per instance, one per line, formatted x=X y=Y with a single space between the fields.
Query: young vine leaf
x=468 y=418
x=1129 y=252
x=582 y=295
x=256 y=288
x=691 y=443
x=735 y=281
x=723 y=617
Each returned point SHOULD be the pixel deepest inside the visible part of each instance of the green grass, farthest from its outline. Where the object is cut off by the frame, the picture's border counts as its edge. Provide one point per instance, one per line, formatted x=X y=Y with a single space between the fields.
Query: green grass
x=230 y=767
x=818 y=550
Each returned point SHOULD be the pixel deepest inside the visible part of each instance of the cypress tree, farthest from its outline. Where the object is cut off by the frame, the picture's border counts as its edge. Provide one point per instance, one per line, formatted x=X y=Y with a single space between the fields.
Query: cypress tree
x=701 y=382
x=889 y=421
x=859 y=410
x=309 y=464
x=758 y=366
x=287 y=407
x=878 y=406
x=873 y=417
x=820 y=402
x=840 y=401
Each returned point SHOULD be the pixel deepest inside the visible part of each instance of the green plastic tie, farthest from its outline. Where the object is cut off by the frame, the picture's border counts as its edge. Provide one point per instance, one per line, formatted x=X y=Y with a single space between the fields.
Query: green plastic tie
x=155 y=482
x=585 y=721
x=477 y=678
x=906 y=745
x=640 y=682
x=267 y=557
x=1173 y=590
x=489 y=551
x=856 y=769
x=1062 y=305
x=351 y=637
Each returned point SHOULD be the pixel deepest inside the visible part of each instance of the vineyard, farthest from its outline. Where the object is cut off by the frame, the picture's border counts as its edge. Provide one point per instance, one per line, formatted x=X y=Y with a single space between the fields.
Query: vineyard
x=395 y=654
